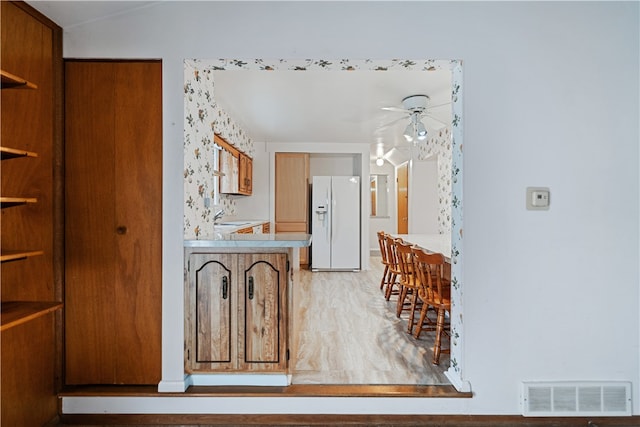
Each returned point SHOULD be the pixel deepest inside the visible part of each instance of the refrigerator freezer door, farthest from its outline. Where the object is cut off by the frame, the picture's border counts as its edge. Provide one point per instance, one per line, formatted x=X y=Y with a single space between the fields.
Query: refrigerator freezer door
x=345 y=223
x=321 y=223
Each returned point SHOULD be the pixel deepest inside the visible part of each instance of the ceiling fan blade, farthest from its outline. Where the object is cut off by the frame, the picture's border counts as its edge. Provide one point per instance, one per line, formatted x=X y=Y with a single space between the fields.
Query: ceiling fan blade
x=429 y=116
x=396 y=109
x=389 y=124
x=439 y=105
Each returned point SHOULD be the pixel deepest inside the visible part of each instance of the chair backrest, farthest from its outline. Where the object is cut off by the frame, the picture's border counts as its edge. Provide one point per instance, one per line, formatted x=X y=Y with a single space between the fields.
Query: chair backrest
x=405 y=260
x=383 y=247
x=430 y=271
x=392 y=256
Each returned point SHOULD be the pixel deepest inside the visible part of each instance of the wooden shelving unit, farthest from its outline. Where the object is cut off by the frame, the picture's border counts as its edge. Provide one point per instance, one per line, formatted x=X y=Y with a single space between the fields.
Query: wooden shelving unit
x=31 y=203
x=10 y=81
x=19 y=255
x=12 y=153
x=15 y=313
x=7 y=202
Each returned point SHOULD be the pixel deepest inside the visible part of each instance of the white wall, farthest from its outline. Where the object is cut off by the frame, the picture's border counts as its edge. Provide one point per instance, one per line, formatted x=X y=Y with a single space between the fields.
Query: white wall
x=389 y=224
x=423 y=196
x=327 y=164
x=551 y=99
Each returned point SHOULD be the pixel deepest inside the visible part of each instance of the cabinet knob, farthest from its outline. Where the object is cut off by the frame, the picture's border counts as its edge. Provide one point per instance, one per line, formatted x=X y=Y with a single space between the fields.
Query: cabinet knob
x=121 y=230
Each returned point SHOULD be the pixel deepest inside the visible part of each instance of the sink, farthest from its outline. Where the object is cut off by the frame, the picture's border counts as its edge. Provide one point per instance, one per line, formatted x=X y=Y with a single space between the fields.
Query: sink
x=236 y=223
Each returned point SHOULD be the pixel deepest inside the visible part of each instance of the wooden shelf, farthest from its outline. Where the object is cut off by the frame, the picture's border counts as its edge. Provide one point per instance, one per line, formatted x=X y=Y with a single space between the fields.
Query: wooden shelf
x=18 y=255
x=6 y=202
x=12 y=153
x=15 y=313
x=11 y=81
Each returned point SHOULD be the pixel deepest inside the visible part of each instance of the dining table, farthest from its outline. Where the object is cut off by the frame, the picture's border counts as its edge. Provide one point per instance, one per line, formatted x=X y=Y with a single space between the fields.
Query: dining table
x=436 y=243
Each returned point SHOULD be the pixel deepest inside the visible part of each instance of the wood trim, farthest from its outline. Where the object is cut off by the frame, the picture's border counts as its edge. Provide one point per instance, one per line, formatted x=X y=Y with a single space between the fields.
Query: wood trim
x=58 y=202
x=332 y=419
x=226 y=145
x=291 y=227
x=296 y=390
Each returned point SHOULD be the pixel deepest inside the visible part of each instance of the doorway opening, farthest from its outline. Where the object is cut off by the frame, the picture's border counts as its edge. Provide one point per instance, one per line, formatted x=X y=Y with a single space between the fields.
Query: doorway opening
x=455 y=372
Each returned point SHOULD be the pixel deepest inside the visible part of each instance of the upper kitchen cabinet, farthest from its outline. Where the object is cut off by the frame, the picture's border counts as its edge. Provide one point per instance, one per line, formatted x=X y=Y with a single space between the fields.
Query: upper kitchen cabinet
x=245 y=177
x=236 y=168
x=113 y=211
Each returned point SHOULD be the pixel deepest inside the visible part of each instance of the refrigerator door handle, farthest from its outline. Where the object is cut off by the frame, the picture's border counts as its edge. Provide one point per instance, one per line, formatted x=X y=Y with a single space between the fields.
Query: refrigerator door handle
x=329 y=222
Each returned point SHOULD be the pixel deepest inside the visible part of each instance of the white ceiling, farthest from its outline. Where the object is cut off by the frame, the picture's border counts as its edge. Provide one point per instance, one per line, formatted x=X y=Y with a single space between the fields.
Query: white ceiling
x=300 y=106
x=69 y=14
x=330 y=106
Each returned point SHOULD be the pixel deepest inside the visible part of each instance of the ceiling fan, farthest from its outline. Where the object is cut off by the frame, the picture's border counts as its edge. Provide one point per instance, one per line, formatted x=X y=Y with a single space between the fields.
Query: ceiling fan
x=416 y=108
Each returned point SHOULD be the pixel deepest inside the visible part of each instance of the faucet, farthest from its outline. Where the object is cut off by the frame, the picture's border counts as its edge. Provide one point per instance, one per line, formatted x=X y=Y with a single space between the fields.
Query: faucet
x=218 y=215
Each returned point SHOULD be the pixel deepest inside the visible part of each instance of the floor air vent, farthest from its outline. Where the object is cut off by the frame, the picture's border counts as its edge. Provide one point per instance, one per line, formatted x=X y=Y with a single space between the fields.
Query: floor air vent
x=565 y=399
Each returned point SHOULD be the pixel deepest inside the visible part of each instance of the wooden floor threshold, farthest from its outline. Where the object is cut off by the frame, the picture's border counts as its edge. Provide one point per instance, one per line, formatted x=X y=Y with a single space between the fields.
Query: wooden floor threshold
x=182 y=420
x=296 y=390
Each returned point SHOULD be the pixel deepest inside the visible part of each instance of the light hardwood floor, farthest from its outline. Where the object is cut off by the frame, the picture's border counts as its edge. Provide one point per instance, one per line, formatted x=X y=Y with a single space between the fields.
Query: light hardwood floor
x=345 y=332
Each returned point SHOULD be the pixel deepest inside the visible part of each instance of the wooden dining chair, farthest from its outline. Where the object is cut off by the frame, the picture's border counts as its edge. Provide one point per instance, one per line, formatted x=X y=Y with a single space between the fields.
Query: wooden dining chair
x=393 y=279
x=385 y=259
x=434 y=292
x=408 y=283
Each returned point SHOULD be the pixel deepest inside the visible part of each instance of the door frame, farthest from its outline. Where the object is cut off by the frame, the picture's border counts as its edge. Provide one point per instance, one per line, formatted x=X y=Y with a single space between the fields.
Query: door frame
x=455 y=373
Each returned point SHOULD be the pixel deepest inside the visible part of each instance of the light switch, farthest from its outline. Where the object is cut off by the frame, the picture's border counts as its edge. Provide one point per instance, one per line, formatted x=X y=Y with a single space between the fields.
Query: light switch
x=538 y=198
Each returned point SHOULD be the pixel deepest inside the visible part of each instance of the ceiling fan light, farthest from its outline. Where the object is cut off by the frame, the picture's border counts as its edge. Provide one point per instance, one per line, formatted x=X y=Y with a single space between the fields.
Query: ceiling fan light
x=408 y=132
x=421 y=131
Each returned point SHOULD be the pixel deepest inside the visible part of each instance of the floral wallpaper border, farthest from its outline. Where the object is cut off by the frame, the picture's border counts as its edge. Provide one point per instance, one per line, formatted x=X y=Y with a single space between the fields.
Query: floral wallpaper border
x=202 y=115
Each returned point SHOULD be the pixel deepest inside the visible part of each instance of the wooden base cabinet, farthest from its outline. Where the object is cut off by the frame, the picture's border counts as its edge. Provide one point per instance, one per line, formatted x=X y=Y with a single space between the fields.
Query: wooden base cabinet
x=235 y=314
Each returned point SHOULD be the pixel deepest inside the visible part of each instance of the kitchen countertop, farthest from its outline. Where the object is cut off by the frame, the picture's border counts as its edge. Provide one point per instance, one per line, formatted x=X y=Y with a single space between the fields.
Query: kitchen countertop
x=235 y=225
x=232 y=240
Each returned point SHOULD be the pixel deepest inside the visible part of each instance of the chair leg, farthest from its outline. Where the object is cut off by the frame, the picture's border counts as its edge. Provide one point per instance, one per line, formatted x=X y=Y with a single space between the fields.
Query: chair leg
x=414 y=302
x=423 y=314
x=401 y=298
x=384 y=276
x=439 y=332
x=424 y=317
x=390 y=283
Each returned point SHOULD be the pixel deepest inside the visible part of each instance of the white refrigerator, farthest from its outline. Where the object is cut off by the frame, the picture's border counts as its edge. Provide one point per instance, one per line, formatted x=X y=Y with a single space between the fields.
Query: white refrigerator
x=335 y=223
